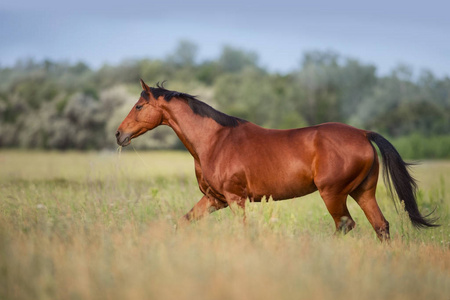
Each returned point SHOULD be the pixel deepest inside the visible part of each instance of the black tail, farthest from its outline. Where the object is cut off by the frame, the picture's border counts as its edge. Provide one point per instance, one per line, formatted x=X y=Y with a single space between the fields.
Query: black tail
x=396 y=169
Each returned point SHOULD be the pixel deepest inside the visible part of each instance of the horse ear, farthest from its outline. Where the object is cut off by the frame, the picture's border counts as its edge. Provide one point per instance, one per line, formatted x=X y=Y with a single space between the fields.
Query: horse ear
x=144 y=86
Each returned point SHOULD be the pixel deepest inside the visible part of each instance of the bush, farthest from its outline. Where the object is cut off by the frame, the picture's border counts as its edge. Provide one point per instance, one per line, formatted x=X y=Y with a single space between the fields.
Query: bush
x=417 y=146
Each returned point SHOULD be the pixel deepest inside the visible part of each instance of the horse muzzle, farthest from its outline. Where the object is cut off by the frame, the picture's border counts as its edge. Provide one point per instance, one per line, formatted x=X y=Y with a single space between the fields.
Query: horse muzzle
x=123 y=139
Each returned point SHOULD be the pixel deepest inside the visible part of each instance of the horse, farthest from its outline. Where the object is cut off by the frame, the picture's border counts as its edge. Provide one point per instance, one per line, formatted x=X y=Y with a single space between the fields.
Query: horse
x=236 y=160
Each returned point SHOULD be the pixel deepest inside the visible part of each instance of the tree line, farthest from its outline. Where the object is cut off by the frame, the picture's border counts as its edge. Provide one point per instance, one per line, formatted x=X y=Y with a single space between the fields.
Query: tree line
x=61 y=105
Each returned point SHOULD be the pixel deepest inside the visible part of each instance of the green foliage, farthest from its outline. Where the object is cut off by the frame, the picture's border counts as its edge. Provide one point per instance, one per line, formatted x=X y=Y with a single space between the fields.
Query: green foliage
x=417 y=117
x=418 y=146
x=58 y=105
x=235 y=60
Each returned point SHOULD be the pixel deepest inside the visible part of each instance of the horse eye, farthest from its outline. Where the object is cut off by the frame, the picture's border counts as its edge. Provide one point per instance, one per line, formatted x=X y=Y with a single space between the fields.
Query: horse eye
x=138 y=107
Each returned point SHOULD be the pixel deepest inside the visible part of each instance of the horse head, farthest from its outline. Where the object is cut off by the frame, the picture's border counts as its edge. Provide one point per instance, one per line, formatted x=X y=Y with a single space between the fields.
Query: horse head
x=145 y=115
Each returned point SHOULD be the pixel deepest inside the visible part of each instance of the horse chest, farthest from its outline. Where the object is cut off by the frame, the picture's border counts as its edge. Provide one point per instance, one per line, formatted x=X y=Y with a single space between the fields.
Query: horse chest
x=207 y=184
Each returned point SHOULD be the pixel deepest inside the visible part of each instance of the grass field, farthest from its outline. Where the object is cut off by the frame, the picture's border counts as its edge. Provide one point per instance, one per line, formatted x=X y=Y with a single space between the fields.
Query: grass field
x=100 y=226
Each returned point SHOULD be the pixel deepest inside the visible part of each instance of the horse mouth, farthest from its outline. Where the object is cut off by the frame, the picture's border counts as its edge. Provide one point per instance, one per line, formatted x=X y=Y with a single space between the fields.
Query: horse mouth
x=125 y=142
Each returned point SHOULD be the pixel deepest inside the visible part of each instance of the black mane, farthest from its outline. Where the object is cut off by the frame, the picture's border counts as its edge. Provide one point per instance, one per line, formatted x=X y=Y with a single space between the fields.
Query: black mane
x=198 y=107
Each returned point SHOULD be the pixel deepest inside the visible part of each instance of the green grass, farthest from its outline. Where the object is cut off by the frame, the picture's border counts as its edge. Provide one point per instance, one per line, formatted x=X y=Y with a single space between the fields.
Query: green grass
x=99 y=226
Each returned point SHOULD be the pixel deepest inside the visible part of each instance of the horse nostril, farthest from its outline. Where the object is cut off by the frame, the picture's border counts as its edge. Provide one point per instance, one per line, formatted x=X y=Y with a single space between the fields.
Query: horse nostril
x=117 y=133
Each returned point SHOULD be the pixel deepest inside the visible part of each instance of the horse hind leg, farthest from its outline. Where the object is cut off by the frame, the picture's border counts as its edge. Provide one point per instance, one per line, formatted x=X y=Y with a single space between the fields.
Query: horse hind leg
x=364 y=195
x=337 y=207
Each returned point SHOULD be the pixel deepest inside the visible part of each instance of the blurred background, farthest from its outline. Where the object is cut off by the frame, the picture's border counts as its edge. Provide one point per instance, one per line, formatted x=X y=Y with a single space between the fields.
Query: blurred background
x=69 y=72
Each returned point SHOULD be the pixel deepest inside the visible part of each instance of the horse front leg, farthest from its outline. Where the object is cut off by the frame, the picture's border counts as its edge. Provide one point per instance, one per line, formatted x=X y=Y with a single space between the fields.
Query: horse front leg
x=237 y=204
x=204 y=207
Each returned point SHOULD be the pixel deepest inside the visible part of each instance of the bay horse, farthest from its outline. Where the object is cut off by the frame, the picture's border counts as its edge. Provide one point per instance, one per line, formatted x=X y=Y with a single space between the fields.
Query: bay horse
x=236 y=160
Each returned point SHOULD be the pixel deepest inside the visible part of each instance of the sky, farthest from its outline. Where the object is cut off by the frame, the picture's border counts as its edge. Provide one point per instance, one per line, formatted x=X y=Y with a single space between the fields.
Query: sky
x=382 y=33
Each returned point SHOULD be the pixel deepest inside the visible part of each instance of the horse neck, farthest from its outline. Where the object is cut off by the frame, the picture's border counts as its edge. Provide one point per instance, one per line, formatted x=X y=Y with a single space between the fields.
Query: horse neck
x=198 y=134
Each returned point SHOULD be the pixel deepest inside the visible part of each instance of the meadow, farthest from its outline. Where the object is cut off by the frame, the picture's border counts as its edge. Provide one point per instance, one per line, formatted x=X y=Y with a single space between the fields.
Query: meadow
x=101 y=225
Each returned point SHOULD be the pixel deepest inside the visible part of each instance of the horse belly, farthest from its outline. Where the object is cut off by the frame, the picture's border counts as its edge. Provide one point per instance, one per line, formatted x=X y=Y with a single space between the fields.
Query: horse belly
x=270 y=163
x=280 y=182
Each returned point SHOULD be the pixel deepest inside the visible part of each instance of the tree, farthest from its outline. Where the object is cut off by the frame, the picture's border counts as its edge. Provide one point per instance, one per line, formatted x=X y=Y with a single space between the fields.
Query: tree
x=60 y=105
x=235 y=60
x=185 y=54
x=318 y=81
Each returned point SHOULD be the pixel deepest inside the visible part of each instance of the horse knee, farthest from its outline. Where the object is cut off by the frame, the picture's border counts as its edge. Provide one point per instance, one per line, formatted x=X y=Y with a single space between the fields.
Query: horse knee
x=205 y=206
x=184 y=221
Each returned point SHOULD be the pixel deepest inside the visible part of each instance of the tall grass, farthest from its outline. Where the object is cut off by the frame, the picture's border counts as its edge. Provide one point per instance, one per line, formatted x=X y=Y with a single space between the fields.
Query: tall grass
x=96 y=226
